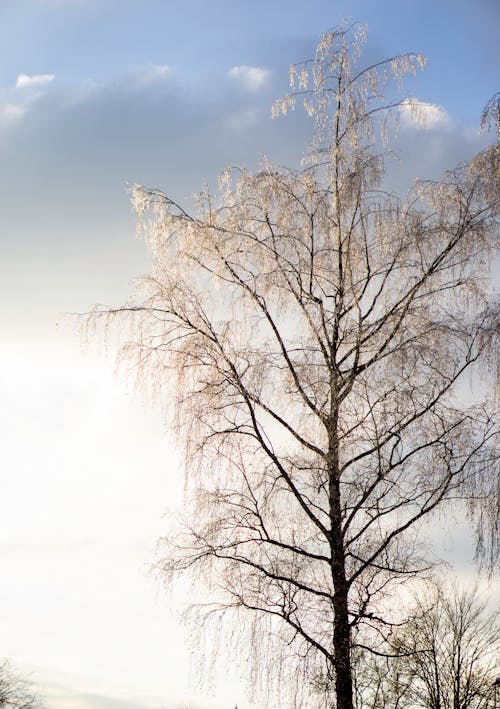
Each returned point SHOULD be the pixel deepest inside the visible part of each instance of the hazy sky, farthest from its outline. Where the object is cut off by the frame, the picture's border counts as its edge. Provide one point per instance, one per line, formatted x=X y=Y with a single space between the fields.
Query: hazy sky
x=96 y=95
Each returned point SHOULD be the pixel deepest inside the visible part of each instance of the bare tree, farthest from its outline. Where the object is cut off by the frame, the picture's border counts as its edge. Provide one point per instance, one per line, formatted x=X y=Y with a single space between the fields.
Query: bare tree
x=15 y=691
x=316 y=331
x=445 y=656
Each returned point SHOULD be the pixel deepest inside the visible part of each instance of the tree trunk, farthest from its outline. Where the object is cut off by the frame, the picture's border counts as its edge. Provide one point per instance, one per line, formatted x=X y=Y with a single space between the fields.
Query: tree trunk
x=342 y=648
x=341 y=628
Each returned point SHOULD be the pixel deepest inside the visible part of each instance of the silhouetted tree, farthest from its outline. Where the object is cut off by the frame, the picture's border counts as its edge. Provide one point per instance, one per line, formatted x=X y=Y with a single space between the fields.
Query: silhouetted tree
x=444 y=657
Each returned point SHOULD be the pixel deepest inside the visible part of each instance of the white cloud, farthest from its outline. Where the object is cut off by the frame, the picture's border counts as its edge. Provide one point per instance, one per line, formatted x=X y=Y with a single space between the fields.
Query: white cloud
x=159 y=69
x=25 y=81
x=11 y=111
x=252 y=77
x=424 y=116
x=15 y=104
x=149 y=73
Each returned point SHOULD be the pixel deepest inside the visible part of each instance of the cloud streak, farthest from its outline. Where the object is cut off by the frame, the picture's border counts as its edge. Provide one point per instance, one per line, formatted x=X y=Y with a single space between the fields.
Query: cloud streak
x=25 y=81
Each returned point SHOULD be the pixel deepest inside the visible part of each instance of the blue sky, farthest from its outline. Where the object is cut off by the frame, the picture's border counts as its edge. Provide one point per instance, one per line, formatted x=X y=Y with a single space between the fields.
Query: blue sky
x=96 y=95
x=104 y=39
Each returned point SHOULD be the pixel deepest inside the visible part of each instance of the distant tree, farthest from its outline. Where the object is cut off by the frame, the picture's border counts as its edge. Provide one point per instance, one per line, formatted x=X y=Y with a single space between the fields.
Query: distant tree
x=316 y=331
x=15 y=691
x=444 y=657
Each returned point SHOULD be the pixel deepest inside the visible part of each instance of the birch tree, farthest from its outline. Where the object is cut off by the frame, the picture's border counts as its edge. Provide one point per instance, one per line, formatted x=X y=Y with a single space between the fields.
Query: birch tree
x=311 y=333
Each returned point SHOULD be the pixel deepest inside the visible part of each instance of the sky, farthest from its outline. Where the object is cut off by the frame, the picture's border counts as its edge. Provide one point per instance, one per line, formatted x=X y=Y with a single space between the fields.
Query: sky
x=96 y=95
